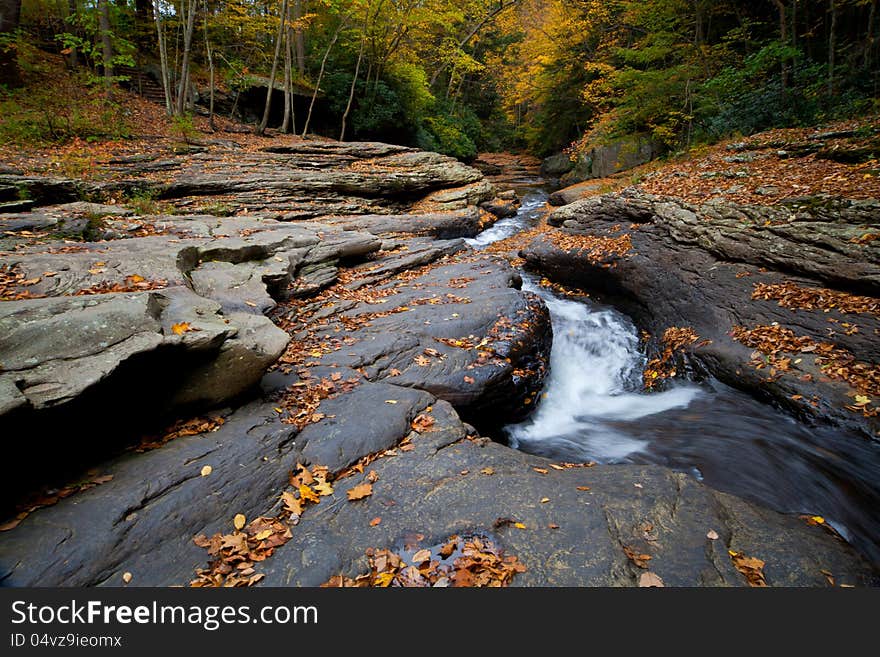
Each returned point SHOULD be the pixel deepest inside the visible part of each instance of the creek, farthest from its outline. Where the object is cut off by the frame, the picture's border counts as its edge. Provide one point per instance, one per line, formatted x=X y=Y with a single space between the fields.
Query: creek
x=594 y=408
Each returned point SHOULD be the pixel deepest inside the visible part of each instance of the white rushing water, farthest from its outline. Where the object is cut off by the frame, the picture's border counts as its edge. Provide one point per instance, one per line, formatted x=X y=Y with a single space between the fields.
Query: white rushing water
x=595 y=367
x=532 y=206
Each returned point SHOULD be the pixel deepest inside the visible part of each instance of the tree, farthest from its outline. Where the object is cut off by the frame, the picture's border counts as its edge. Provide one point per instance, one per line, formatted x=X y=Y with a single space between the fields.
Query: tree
x=106 y=44
x=189 y=16
x=271 y=87
x=10 y=15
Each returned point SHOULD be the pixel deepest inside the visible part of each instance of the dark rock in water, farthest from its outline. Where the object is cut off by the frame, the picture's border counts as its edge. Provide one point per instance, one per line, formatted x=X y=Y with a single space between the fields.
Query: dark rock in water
x=697 y=267
x=502 y=208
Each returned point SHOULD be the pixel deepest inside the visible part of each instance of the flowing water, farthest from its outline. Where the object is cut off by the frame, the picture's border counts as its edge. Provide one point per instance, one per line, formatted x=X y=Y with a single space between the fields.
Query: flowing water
x=593 y=408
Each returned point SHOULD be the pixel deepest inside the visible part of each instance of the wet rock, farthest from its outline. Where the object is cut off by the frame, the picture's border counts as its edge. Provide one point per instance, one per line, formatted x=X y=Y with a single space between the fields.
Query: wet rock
x=438 y=489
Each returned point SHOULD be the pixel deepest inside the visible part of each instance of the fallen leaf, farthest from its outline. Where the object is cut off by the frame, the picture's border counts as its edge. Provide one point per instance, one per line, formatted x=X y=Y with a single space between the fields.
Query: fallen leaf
x=469 y=379
x=519 y=525
x=712 y=535
x=583 y=488
x=544 y=500
x=239 y=521
x=650 y=580
x=487 y=471
x=307 y=494
x=291 y=503
x=181 y=328
x=360 y=491
x=553 y=525
x=542 y=471
x=263 y=535
x=207 y=470
x=421 y=557
x=126 y=577
x=375 y=521
x=390 y=401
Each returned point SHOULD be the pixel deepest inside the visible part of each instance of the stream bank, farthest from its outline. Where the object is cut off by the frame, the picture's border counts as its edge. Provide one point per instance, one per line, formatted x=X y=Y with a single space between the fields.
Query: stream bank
x=393 y=330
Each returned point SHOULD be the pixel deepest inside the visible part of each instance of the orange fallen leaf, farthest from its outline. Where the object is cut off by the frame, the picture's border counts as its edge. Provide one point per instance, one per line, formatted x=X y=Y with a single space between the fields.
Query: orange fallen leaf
x=375 y=521
x=360 y=491
x=181 y=328
x=307 y=494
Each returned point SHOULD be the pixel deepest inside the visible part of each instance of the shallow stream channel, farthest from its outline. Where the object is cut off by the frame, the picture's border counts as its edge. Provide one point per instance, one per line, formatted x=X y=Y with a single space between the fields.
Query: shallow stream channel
x=594 y=408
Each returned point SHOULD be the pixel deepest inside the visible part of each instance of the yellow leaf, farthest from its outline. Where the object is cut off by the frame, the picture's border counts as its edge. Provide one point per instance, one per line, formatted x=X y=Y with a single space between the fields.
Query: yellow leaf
x=181 y=328
x=861 y=400
x=207 y=470
x=391 y=401
x=126 y=577
x=519 y=525
x=239 y=521
x=384 y=580
x=263 y=535
x=819 y=520
x=544 y=500
x=307 y=494
x=323 y=488
x=487 y=471
x=134 y=278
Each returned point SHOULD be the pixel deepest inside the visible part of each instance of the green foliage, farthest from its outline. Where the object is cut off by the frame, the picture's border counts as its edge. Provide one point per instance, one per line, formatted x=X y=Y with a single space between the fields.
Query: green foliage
x=145 y=203
x=184 y=128
x=447 y=134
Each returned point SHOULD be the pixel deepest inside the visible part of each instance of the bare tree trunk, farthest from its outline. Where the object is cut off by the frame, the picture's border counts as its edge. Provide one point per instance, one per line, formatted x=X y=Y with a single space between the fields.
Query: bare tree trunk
x=10 y=16
x=832 y=47
x=300 y=38
x=288 y=80
x=333 y=41
x=783 y=37
x=106 y=44
x=869 y=40
x=268 y=108
x=209 y=53
x=163 y=58
x=183 y=93
x=357 y=71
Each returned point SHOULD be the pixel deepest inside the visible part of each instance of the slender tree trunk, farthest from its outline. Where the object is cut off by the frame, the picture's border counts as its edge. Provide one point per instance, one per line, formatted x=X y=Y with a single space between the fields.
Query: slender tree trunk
x=783 y=37
x=869 y=40
x=288 y=80
x=209 y=54
x=10 y=15
x=299 y=38
x=832 y=47
x=357 y=71
x=279 y=37
x=183 y=94
x=106 y=44
x=332 y=43
x=163 y=58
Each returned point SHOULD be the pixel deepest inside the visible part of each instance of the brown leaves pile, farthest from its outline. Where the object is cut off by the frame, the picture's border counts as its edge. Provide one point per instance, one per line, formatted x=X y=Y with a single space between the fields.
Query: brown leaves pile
x=133 y=283
x=795 y=297
x=751 y=568
x=674 y=340
x=473 y=561
x=12 y=279
x=180 y=429
x=234 y=555
x=53 y=496
x=835 y=362
x=598 y=250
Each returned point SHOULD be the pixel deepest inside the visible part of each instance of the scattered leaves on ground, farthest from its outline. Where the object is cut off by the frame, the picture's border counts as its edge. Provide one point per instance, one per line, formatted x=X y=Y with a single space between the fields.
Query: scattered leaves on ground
x=473 y=561
x=52 y=496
